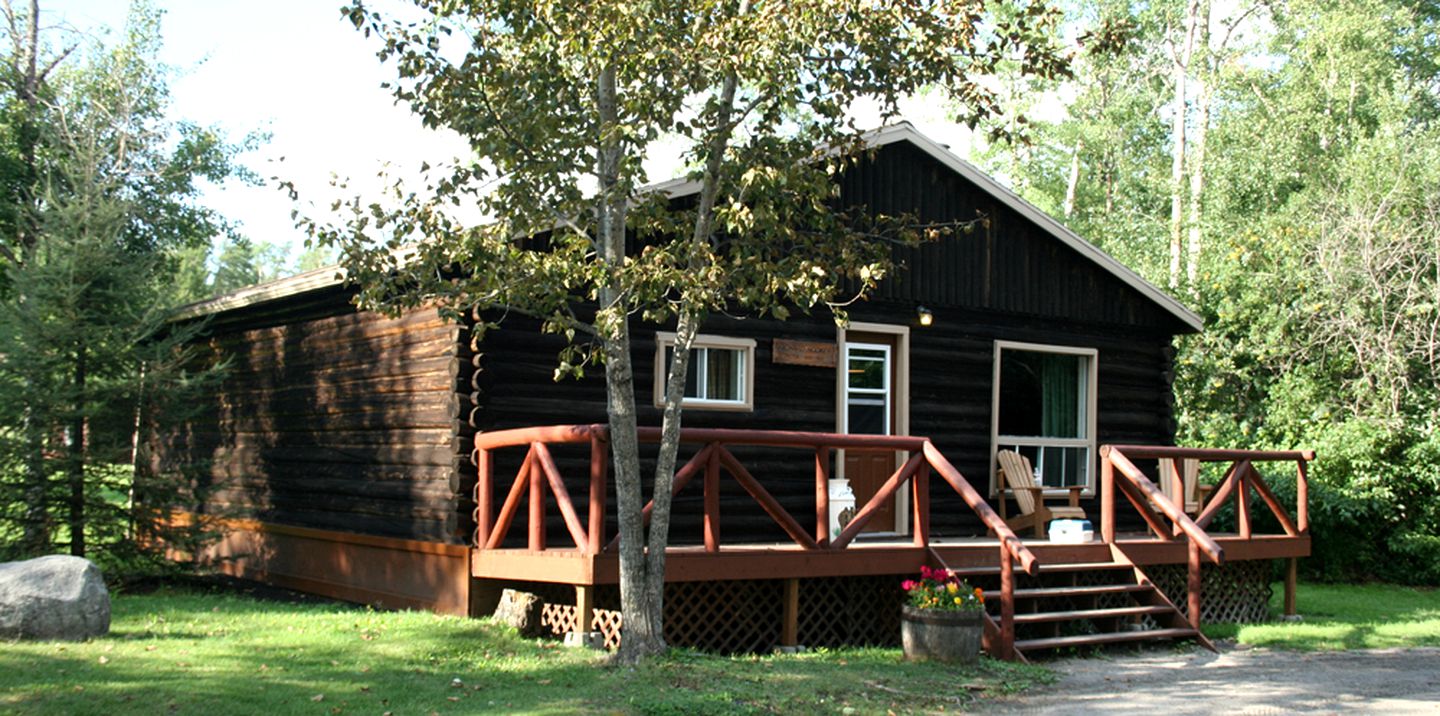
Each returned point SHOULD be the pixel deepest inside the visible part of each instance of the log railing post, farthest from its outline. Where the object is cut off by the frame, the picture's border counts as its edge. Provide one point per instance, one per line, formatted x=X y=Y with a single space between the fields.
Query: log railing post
x=1292 y=578
x=537 y=508
x=1007 y=605
x=584 y=608
x=822 y=496
x=484 y=497
x=712 y=502
x=1242 y=502
x=1302 y=498
x=920 y=504
x=1107 y=496
x=1177 y=488
x=599 y=474
x=1193 y=585
x=790 y=617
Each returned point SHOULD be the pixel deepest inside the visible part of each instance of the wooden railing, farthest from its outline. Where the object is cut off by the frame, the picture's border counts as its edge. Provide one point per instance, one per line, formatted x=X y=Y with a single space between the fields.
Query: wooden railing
x=1119 y=473
x=538 y=475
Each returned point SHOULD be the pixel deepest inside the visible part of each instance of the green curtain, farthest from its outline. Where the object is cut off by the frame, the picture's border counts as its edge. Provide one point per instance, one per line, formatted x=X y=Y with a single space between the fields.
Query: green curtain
x=1060 y=396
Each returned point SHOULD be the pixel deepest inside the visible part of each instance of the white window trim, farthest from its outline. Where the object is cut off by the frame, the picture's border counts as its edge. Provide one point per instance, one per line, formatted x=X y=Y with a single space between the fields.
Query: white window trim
x=901 y=426
x=998 y=441
x=665 y=339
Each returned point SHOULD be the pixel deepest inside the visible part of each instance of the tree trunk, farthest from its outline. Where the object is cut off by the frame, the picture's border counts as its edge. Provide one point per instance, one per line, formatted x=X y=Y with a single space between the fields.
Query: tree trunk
x=75 y=468
x=640 y=635
x=1108 y=178
x=1074 y=182
x=137 y=451
x=1197 y=188
x=27 y=136
x=690 y=317
x=1181 y=66
x=36 y=538
x=1197 y=158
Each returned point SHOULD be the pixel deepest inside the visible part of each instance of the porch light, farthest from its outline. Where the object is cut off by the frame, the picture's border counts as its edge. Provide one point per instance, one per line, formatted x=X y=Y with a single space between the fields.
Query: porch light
x=926 y=317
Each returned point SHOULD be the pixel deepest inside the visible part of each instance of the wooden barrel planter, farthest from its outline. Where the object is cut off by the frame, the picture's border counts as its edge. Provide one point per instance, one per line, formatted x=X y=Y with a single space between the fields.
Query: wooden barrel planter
x=951 y=636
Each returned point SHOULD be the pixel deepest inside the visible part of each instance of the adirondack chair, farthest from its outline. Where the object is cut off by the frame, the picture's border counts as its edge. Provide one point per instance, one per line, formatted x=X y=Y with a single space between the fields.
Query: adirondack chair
x=1017 y=476
x=1194 y=493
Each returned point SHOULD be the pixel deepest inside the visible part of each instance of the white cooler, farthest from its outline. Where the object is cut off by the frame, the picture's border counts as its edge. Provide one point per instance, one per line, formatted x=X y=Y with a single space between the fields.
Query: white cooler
x=1071 y=531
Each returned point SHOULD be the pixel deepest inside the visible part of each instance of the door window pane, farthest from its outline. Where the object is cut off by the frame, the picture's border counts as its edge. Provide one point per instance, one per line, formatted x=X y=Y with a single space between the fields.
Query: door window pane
x=868 y=416
x=868 y=368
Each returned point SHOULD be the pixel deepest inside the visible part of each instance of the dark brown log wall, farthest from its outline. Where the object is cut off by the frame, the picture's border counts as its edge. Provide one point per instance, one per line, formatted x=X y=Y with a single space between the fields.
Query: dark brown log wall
x=950 y=402
x=327 y=418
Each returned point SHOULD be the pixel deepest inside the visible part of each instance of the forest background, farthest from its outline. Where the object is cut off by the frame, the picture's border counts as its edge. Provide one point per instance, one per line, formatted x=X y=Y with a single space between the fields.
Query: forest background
x=1275 y=165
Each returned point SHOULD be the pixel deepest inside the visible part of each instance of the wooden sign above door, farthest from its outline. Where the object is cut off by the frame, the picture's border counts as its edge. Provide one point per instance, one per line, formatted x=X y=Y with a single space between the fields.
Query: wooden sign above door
x=819 y=355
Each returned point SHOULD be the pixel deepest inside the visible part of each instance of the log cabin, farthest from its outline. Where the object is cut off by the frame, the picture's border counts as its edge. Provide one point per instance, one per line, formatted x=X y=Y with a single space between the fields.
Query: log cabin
x=398 y=461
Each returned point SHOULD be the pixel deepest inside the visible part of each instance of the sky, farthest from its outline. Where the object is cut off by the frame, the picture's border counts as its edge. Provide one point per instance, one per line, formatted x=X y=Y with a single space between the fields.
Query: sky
x=297 y=71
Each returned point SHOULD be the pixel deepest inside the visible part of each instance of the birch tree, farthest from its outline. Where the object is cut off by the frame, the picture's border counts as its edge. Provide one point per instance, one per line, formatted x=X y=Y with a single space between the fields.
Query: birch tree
x=561 y=102
x=1181 y=47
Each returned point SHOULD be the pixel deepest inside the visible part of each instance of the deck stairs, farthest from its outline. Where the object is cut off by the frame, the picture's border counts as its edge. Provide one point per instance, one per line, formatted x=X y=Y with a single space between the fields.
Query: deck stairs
x=1082 y=605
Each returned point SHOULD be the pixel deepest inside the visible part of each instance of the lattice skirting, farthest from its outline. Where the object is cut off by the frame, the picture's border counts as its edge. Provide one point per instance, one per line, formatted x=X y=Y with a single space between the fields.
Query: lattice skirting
x=747 y=616
x=1236 y=592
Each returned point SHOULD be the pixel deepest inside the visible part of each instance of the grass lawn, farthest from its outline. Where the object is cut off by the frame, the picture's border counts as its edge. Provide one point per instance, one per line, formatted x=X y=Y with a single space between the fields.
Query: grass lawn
x=1342 y=616
x=187 y=651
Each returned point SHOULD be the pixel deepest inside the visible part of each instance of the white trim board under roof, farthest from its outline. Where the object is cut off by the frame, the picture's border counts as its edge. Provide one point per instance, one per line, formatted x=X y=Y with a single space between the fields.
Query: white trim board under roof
x=900 y=132
x=314 y=280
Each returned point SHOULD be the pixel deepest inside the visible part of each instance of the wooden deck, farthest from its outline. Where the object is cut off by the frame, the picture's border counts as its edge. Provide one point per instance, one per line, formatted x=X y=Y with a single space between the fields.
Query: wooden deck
x=865 y=557
x=1173 y=538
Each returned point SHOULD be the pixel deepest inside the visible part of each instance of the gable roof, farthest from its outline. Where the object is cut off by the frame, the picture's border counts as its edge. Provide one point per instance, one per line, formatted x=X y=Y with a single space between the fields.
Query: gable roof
x=900 y=132
x=905 y=132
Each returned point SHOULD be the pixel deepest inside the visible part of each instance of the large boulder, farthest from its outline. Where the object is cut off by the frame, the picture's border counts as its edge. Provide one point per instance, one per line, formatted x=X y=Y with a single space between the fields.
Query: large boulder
x=53 y=598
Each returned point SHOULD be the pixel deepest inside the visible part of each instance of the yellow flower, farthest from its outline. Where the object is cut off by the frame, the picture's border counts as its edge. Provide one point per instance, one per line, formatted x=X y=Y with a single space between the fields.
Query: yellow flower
x=952 y=588
x=957 y=600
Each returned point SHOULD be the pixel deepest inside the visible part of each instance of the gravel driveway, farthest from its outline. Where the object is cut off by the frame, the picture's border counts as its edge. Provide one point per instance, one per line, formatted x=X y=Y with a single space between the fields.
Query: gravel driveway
x=1240 y=681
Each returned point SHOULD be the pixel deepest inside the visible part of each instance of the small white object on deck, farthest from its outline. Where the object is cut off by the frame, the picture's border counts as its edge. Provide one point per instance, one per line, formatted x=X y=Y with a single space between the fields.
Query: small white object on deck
x=1071 y=531
x=842 y=506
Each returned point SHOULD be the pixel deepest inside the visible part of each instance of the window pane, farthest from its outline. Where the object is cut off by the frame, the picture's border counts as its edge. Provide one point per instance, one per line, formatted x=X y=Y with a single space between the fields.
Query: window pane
x=867 y=374
x=1061 y=396
x=1042 y=394
x=1063 y=466
x=692 y=378
x=723 y=374
x=868 y=416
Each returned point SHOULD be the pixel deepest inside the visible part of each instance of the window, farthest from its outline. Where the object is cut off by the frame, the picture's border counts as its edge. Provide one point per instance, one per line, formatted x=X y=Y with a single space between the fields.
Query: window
x=720 y=375
x=867 y=389
x=1044 y=408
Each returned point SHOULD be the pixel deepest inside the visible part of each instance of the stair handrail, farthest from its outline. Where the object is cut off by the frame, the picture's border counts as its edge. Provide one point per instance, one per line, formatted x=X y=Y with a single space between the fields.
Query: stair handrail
x=1114 y=455
x=1012 y=543
x=1200 y=541
x=1011 y=548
